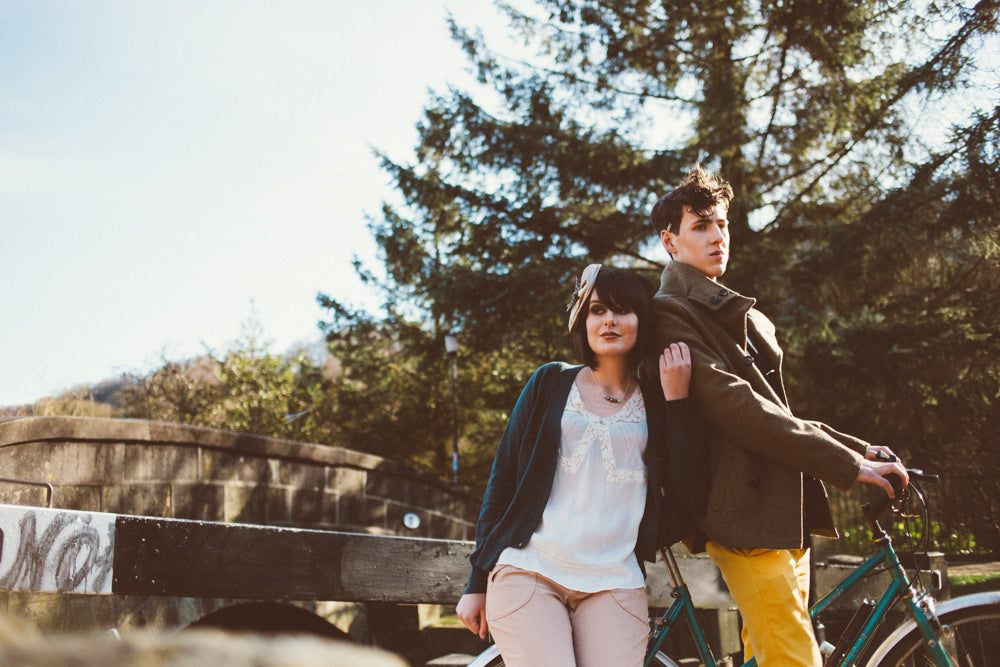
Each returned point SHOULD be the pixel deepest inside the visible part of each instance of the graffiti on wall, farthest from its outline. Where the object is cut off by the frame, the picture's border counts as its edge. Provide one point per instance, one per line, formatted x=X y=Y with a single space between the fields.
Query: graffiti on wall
x=50 y=550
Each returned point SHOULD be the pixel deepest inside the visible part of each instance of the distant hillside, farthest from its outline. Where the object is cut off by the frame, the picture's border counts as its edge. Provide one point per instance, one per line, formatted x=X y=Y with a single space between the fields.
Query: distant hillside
x=98 y=400
x=103 y=399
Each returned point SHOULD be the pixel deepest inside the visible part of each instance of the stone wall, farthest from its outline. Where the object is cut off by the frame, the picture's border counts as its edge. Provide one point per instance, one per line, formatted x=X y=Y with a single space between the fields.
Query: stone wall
x=187 y=472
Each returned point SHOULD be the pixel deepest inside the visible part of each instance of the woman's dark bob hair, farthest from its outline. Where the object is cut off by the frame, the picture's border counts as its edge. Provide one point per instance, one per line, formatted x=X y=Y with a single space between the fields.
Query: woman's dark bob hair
x=619 y=289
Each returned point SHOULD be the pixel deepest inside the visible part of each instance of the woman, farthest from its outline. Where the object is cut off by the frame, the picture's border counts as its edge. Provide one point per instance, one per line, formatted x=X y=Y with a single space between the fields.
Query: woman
x=572 y=506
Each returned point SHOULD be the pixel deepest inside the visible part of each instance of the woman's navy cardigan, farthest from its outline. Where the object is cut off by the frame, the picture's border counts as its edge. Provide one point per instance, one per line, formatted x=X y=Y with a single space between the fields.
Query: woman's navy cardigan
x=525 y=465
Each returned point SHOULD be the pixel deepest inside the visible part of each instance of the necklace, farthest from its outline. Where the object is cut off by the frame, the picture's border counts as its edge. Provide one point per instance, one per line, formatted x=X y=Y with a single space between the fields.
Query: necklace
x=604 y=392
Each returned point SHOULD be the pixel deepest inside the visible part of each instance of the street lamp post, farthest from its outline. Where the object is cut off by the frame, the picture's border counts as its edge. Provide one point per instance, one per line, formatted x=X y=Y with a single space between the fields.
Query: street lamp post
x=451 y=348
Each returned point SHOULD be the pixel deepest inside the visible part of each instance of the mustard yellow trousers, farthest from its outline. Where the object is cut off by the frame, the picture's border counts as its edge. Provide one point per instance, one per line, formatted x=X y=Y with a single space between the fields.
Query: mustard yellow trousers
x=771 y=589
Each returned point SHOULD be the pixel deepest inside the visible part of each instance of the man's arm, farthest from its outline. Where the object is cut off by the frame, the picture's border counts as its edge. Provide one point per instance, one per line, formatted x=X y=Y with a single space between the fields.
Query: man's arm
x=857 y=444
x=732 y=407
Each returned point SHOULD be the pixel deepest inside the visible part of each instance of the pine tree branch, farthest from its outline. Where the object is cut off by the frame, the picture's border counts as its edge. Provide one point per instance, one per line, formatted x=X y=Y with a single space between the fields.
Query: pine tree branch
x=778 y=92
x=912 y=80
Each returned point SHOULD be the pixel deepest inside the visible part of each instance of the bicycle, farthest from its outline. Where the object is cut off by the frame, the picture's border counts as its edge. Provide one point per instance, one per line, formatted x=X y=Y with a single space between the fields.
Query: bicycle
x=964 y=631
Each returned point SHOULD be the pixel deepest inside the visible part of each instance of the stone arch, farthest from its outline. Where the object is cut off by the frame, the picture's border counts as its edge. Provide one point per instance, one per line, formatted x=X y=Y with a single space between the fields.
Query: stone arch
x=269 y=618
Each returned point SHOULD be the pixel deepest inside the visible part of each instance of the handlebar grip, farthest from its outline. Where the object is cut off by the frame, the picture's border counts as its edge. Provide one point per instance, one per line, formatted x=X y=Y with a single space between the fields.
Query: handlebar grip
x=885 y=458
x=877 y=506
x=897 y=483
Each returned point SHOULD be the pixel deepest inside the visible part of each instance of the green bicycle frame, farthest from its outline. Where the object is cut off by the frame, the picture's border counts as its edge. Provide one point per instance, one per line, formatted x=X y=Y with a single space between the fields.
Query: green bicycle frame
x=898 y=589
x=682 y=604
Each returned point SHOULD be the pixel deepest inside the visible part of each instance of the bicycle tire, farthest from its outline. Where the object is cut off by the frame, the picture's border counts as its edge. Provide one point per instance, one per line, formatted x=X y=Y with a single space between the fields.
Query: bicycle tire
x=492 y=658
x=975 y=640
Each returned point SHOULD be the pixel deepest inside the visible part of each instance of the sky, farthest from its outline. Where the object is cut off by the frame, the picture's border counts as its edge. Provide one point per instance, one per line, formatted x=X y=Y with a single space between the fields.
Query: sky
x=170 y=171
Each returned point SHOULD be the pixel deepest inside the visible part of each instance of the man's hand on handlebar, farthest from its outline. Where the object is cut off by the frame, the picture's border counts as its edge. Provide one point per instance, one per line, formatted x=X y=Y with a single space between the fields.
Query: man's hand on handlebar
x=879 y=462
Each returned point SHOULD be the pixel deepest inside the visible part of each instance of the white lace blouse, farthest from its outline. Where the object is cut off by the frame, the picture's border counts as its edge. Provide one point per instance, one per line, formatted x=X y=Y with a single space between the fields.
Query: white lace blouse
x=586 y=539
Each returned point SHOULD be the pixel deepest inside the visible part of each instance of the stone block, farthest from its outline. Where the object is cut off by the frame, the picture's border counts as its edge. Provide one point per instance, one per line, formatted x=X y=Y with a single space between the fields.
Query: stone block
x=83 y=463
x=330 y=510
x=389 y=487
x=347 y=481
x=361 y=512
x=57 y=613
x=83 y=498
x=245 y=504
x=140 y=499
x=19 y=494
x=25 y=461
x=301 y=475
x=221 y=466
x=277 y=509
x=144 y=462
x=309 y=508
x=198 y=502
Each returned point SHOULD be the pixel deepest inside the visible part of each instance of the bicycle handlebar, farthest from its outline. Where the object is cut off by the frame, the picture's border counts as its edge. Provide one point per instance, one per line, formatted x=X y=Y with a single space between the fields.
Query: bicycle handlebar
x=875 y=508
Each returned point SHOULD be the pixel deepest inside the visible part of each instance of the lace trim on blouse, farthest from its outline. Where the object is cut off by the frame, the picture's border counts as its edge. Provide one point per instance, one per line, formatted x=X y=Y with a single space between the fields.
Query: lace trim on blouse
x=633 y=411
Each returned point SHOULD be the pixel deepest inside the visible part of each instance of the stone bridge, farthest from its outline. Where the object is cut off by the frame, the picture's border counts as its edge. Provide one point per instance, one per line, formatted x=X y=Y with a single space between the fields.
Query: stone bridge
x=126 y=466
x=154 y=469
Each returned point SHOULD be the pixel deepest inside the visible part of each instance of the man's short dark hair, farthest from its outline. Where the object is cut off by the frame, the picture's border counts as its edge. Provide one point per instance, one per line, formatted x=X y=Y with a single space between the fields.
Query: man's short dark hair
x=619 y=288
x=700 y=192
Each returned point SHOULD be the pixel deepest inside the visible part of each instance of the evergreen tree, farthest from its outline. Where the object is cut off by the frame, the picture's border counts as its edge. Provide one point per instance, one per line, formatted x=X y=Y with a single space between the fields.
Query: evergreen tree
x=811 y=110
x=899 y=338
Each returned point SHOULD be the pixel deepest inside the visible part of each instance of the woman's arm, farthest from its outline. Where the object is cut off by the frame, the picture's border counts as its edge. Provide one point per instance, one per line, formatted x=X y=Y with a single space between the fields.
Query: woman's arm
x=503 y=481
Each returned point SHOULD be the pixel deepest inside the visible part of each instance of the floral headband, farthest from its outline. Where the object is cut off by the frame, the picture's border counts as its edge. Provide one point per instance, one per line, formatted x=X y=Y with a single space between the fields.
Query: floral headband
x=581 y=296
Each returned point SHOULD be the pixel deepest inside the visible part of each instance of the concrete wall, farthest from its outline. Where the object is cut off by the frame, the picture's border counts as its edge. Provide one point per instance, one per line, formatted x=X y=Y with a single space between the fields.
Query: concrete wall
x=187 y=472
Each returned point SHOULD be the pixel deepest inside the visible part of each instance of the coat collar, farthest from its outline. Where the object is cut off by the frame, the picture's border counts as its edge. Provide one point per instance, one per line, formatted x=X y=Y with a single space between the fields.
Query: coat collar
x=728 y=306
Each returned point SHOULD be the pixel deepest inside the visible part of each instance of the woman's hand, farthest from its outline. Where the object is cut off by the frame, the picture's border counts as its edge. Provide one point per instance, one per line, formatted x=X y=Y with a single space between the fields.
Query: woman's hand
x=471 y=609
x=675 y=371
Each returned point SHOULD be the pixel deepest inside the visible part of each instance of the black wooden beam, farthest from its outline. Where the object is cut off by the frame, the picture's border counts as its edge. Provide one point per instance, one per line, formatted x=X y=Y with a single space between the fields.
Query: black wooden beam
x=53 y=550
x=204 y=559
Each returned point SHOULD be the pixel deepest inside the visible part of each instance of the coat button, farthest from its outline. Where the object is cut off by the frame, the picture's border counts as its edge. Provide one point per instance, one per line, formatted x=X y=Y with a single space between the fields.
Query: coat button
x=754 y=480
x=748 y=360
x=723 y=292
x=715 y=299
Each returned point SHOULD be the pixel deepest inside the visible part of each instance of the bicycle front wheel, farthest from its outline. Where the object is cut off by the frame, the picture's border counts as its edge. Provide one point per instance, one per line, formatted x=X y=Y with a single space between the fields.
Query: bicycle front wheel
x=971 y=638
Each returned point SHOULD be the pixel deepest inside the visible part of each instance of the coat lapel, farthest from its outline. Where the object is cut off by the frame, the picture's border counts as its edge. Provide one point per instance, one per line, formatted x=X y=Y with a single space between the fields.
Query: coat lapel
x=729 y=308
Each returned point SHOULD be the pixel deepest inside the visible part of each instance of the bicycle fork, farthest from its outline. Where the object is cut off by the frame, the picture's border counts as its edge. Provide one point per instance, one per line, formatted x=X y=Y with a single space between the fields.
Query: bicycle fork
x=920 y=605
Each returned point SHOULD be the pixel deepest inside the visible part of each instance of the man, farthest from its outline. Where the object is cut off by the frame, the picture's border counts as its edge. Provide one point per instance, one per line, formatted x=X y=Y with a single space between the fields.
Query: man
x=765 y=496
